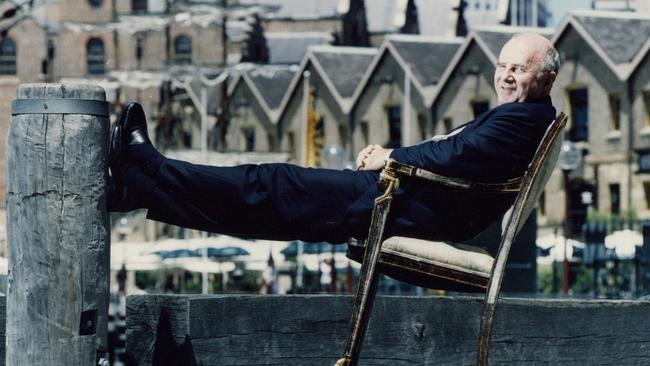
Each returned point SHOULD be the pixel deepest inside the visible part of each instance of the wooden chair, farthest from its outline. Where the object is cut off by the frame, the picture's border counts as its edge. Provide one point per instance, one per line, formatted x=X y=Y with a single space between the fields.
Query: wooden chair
x=442 y=265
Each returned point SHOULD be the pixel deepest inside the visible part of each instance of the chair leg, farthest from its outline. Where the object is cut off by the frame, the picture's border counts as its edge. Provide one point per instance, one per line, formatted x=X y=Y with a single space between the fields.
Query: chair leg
x=485 y=333
x=368 y=279
x=491 y=298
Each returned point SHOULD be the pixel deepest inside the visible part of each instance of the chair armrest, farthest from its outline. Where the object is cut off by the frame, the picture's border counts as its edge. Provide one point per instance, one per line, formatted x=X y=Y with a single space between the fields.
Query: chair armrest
x=398 y=169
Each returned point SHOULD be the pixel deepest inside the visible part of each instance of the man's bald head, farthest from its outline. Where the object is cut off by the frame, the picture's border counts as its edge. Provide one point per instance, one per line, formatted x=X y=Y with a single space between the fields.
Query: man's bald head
x=526 y=69
x=546 y=54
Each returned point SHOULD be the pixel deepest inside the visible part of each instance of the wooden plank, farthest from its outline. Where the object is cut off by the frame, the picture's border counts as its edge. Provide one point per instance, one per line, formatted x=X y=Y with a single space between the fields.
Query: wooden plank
x=3 y=329
x=431 y=330
x=57 y=231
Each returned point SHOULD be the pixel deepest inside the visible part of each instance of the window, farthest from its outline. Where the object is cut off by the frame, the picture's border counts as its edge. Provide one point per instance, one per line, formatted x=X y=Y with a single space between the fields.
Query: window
x=615 y=112
x=139 y=49
x=394 y=114
x=95 y=3
x=365 y=140
x=579 y=103
x=318 y=139
x=615 y=198
x=448 y=123
x=95 y=56
x=479 y=105
x=422 y=125
x=248 y=139
x=646 y=99
x=183 y=50
x=646 y=190
x=7 y=57
x=46 y=64
x=343 y=134
x=139 y=6
x=291 y=143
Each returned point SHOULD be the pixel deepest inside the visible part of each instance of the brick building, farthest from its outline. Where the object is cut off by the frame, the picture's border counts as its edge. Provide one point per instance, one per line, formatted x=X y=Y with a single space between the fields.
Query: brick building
x=604 y=86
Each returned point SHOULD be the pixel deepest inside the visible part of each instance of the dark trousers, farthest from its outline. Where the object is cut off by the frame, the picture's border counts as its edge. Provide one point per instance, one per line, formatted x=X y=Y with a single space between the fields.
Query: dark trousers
x=288 y=202
x=267 y=201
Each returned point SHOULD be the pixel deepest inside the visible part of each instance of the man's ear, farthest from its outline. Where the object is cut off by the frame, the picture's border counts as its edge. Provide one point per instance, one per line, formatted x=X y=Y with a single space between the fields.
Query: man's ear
x=551 y=77
x=549 y=80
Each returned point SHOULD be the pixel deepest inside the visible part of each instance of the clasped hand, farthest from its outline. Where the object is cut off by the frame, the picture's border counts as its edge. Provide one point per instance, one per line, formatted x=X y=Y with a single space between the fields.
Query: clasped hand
x=372 y=157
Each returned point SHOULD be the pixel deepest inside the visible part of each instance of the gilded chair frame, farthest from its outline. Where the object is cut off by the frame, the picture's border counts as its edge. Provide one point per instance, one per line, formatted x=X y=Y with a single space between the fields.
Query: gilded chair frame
x=528 y=189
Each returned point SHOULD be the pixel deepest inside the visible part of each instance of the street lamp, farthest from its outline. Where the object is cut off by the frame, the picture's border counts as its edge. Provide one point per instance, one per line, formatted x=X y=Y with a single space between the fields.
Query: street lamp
x=569 y=159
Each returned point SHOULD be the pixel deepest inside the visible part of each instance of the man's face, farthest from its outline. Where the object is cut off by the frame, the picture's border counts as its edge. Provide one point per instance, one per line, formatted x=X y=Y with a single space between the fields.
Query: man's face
x=515 y=76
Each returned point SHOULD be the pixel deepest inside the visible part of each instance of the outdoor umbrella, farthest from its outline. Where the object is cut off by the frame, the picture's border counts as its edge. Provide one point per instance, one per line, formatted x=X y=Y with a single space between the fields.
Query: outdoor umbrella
x=553 y=245
x=176 y=253
x=624 y=242
x=229 y=252
x=312 y=248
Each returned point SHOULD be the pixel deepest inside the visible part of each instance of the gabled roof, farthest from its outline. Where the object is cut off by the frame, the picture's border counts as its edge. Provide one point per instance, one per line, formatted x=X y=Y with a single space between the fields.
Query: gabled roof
x=290 y=47
x=620 y=39
x=492 y=38
x=340 y=68
x=425 y=56
x=268 y=83
x=489 y=39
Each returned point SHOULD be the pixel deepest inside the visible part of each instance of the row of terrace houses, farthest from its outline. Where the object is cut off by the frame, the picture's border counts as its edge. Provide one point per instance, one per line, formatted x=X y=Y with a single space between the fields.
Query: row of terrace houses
x=406 y=90
x=413 y=87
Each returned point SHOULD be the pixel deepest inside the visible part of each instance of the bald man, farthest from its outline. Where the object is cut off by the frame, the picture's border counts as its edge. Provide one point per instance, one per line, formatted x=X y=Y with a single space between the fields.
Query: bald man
x=288 y=202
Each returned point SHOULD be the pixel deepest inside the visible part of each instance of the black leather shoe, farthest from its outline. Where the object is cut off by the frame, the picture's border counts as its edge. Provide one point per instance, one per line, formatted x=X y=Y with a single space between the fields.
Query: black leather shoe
x=130 y=129
x=134 y=125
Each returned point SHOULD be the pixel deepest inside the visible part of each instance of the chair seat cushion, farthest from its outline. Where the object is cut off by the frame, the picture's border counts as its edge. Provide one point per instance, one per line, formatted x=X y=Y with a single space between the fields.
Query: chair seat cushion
x=460 y=257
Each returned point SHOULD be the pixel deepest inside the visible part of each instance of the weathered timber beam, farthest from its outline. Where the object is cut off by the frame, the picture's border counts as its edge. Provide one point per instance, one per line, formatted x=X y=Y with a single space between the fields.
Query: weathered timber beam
x=431 y=330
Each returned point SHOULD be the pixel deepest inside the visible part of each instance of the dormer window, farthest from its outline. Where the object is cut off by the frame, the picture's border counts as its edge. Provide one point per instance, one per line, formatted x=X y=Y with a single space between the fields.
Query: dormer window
x=579 y=103
x=615 y=112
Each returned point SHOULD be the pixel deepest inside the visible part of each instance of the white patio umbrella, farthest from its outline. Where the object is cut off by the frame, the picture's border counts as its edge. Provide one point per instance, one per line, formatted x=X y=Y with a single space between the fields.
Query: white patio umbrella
x=127 y=252
x=556 y=244
x=624 y=242
x=311 y=261
x=199 y=265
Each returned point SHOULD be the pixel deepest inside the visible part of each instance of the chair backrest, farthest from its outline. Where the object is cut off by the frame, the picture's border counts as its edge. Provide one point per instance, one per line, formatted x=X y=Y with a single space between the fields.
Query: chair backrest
x=536 y=176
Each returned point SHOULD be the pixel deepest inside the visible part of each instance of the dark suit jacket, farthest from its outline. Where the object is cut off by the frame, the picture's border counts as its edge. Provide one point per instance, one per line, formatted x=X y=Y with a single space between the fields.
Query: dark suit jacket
x=498 y=145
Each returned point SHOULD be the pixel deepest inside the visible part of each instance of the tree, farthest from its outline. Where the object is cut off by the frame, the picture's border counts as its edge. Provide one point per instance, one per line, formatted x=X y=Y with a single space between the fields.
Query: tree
x=256 y=50
x=411 y=23
x=355 y=28
x=461 y=24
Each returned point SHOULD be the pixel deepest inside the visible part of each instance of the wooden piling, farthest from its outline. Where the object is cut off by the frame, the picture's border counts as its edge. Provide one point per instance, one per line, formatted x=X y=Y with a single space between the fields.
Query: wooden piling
x=57 y=226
